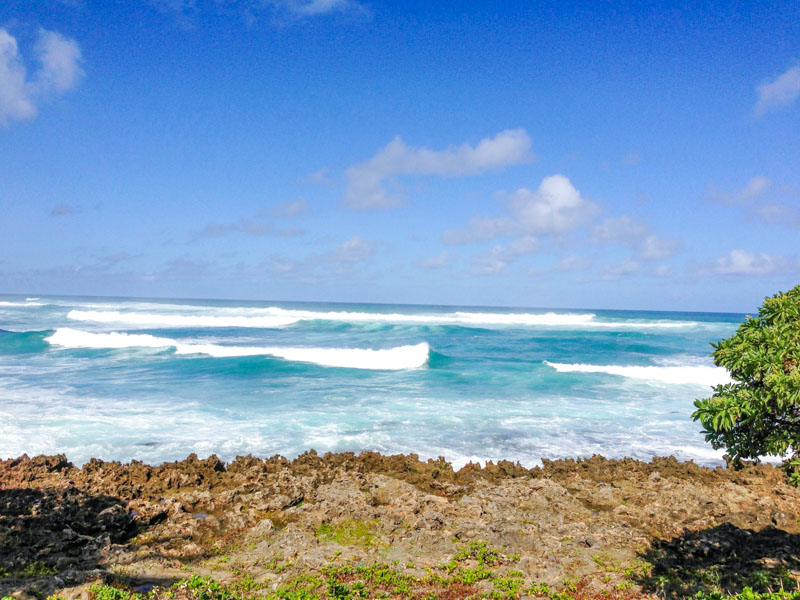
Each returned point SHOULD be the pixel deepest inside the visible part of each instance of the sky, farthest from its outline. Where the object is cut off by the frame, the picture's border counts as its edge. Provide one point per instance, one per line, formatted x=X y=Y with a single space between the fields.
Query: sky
x=640 y=155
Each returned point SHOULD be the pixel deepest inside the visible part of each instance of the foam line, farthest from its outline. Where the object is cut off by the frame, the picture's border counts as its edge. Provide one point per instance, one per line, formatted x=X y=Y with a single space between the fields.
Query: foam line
x=22 y=303
x=161 y=320
x=691 y=374
x=401 y=357
x=279 y=317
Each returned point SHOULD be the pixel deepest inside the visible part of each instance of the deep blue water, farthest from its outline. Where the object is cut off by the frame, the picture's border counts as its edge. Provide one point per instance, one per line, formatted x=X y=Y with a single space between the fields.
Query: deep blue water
x=156 y=380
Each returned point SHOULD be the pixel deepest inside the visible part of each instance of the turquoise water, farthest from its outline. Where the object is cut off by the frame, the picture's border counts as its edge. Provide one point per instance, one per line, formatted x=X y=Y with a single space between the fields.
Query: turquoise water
x=156 y=380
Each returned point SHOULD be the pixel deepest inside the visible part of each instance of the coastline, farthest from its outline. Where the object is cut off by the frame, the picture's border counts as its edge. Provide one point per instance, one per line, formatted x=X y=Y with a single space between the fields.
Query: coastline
x=621 y=527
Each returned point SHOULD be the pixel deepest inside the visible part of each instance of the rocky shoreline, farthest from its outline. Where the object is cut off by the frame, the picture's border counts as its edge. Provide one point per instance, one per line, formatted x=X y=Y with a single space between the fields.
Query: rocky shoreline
x=583 y=528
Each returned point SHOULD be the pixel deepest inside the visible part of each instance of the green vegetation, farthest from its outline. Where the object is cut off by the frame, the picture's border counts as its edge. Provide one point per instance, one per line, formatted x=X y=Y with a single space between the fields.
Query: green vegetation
x=471 y=565
x=348 y=533
x=748 y=594
x=30 y=571
x=759 y=413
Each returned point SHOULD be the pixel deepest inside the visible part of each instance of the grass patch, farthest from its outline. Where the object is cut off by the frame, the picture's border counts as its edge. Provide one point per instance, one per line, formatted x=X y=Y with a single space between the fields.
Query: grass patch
x=349 y=533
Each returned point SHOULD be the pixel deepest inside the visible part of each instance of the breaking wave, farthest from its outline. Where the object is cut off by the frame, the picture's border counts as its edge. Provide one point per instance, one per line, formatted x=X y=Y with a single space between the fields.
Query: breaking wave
x=279 y=317
x=401 y=357
x=687 y=374
x=161 y=320
x=26 y=303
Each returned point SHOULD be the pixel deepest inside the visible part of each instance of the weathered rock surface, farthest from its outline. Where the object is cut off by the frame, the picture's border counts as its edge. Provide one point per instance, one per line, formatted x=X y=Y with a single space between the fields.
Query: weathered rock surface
x=61 y=526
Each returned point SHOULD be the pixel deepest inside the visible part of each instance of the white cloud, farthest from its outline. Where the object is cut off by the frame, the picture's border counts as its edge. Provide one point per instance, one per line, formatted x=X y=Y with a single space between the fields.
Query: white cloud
x=572 y=262
x=755 y=188
x=356 y=249
x=496 y=259
x=311 y=8
x=554 y=207
x=744 y=263
x=622 y=229
x=15 y=101
x=782 y=91
x=366 y=180
x=615 y=271
x=60 y=58
x=778 y=213
x=655 y=248
x=664 y=271
x=288 y=210
x=58 y=72
x=480 y=229
x=436 y=262
x=634 y=234
x=322 y=176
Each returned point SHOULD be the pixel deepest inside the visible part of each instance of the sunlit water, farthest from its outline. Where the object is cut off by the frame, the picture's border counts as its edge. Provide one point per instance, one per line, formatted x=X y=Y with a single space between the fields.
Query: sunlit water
x=156 y=380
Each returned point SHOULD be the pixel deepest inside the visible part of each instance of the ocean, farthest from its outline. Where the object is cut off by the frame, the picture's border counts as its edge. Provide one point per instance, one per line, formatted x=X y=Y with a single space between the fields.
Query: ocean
x=154 y=380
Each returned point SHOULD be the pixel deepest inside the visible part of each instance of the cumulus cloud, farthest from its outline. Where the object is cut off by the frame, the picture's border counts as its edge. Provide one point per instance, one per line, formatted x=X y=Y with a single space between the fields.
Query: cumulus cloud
x=320 y=176
x=778 y=93
x=619 y=229
x=366 y=181
x=436 y=262
x=312 y=8
x=653 y=247
x=763 y=200
x=496 y=259
x=554 y=207
x=612 y=272
x=185 y=12
x=59 y=70
x=344 y=258
x=634 y=234
x=289 y=209
x=356 y=249
x=778 y=213
x=572 y=262
x=481 y=229
x=752 y=190
x=741 y=263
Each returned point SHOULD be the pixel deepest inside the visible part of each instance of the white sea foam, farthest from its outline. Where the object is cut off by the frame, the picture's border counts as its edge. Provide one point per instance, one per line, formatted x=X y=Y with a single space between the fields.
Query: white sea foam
x=22 y=303
x=32 y=299
x=162 y=320
x=686 y=374
x=401 y=357
x=279 y=317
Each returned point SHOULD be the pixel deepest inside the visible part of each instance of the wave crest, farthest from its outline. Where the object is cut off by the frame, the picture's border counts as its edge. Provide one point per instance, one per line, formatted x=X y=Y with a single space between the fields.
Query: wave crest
x=280 y=317
x=393 y=359
x=685 y=374
x=159 y=320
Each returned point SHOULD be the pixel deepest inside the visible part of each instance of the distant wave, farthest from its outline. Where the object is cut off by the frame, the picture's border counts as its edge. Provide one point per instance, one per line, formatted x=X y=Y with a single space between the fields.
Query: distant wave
x=401 y=357
x=22 y=303
x=279 y=317
x=691 y=374
x=161 y=320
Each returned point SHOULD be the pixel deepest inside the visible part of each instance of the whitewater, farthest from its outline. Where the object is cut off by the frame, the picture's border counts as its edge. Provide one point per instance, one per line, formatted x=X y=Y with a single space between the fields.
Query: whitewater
x=120 y=378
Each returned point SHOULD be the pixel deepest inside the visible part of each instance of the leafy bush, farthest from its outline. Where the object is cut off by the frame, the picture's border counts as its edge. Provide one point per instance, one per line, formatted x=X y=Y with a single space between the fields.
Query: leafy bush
x=759 y=412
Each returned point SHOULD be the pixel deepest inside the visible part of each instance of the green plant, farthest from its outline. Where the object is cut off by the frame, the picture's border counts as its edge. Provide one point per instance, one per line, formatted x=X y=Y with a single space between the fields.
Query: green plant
x=107 y=592
x=348 y=533
x=758 y=413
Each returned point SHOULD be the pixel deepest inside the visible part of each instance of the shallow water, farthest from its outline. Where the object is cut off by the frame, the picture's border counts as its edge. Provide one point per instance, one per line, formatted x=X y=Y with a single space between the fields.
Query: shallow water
x=156 y=380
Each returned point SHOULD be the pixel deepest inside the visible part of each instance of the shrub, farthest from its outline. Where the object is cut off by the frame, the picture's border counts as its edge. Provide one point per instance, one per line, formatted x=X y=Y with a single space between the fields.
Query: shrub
x=758 y=413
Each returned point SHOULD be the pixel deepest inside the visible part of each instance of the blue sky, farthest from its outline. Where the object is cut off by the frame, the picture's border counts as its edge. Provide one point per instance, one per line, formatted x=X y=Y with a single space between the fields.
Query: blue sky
x=575 y=154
